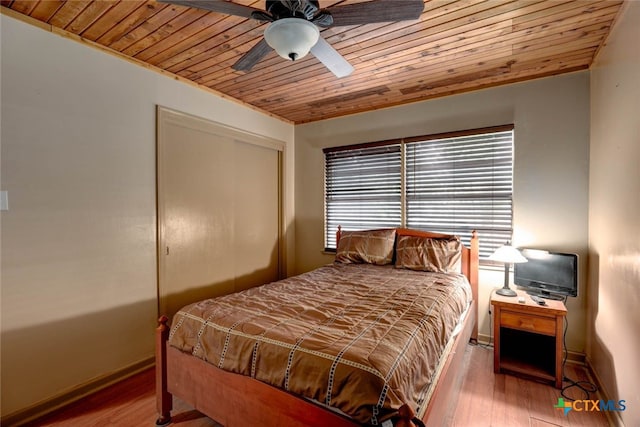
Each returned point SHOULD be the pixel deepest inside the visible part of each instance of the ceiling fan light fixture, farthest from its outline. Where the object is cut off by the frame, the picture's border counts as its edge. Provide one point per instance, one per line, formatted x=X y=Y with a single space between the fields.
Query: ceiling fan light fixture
x=291 y=38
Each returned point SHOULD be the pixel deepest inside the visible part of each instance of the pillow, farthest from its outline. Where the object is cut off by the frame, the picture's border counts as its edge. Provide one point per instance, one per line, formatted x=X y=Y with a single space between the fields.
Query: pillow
x=371 y=247
x=429 y=254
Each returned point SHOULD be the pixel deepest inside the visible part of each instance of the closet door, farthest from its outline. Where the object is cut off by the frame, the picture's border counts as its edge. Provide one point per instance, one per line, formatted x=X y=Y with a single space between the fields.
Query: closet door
x=218 y=210
x=256 y=215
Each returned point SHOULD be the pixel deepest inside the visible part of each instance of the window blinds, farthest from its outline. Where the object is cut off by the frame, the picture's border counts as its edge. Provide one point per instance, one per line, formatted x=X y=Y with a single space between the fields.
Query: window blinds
x=362 y=189
x=452 y=183
x=456 y=185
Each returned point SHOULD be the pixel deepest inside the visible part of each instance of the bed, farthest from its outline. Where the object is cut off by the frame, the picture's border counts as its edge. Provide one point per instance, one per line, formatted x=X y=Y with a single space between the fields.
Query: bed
x=376 y=338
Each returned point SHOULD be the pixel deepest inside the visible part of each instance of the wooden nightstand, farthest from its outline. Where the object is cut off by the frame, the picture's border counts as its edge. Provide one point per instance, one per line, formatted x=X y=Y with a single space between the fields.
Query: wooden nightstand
x=528 y=337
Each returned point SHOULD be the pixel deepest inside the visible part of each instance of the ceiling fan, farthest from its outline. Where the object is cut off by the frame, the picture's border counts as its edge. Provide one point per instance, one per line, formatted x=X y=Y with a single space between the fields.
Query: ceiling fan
x=293 y=26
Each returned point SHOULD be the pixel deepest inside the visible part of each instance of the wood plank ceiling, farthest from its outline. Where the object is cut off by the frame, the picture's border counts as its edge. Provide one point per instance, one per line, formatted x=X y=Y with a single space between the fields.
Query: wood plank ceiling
x=456 y=46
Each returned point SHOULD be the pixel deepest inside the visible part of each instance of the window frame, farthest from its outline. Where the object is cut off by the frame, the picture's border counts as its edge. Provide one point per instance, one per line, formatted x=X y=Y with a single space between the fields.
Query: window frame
x=404 y=142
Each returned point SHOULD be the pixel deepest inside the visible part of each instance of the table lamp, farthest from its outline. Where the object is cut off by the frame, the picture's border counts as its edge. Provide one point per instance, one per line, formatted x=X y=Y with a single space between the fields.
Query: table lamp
x=508 y=255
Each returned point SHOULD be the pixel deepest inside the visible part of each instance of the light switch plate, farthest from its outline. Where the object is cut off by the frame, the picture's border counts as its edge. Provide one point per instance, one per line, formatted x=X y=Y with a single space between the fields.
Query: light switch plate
x=4 y=200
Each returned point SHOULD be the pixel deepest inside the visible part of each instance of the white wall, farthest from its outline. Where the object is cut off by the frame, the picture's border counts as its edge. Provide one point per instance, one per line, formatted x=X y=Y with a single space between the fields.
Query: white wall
x=614 y=225
x=79 y=241
x=551 y=118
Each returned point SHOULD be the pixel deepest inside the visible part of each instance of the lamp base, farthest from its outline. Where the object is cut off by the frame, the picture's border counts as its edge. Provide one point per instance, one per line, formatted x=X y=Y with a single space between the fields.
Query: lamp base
x=506 y=292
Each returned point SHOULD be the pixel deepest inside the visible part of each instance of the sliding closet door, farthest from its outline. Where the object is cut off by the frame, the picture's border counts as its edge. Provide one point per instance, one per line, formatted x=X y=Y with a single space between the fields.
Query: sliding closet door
x=218 y=210
x=256 y=215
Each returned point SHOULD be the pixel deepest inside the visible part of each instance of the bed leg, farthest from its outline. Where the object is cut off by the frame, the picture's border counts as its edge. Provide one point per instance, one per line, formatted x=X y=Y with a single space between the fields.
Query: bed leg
x=164 y=400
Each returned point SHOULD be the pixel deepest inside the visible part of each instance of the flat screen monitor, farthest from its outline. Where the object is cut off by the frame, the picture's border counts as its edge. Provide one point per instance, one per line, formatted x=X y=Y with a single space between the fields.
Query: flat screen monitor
x=551 y=275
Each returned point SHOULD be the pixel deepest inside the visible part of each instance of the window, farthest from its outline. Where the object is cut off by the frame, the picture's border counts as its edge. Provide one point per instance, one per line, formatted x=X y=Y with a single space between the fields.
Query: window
x=362 y=189
x=452 y=183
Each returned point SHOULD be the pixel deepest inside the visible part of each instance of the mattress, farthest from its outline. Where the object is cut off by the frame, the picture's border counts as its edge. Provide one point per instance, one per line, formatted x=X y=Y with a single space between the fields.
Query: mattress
x=360 y=338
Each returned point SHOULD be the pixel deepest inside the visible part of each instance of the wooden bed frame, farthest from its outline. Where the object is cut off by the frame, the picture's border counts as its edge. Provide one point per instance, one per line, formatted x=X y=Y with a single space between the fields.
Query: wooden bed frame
x=237 y=400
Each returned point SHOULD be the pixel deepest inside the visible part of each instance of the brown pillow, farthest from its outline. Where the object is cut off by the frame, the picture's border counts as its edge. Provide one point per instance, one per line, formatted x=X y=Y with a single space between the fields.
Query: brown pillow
x=429 y=254
x=370 y=246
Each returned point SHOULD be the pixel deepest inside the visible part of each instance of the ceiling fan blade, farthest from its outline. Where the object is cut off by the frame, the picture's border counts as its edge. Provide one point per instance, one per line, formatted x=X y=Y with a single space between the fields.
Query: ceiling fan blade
x=220 y=6
x=331 y=58
x=376 y=11
x=252 y=57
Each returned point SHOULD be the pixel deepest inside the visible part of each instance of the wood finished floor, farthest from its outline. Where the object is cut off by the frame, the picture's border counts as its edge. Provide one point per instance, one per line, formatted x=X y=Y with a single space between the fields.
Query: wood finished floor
x=486 y=400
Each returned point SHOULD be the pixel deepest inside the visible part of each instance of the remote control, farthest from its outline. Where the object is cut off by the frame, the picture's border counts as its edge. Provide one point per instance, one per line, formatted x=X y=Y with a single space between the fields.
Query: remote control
x=538 y=300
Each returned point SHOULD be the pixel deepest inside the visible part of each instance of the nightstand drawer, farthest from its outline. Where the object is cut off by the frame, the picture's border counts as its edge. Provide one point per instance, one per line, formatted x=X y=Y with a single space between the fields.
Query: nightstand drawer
x=528 y=322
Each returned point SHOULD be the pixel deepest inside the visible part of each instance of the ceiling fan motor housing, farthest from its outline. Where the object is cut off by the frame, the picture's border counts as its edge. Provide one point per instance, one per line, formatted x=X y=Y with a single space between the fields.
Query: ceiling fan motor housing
x=304 y=9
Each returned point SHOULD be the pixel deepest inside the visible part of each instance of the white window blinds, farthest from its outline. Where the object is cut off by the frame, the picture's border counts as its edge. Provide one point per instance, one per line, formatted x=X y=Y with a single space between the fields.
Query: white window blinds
x=362 y=189
x=459 y=184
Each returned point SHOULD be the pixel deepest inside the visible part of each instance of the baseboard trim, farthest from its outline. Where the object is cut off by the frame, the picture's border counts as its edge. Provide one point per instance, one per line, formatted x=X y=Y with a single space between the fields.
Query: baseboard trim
x=576 y=357
x=485 y=339
x=614 y=417
x=76 y=393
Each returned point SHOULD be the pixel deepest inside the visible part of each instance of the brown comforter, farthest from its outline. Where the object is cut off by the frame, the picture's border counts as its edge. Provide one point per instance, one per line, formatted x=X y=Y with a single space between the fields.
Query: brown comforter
x=360 y=338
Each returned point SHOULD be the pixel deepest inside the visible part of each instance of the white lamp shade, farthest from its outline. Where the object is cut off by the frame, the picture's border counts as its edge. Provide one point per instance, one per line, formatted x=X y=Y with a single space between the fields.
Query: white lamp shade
x=291 y=38
x=507 y=254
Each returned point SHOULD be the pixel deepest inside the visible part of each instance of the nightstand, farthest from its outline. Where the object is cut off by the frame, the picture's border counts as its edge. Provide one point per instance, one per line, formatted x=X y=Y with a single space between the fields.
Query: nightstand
x=528 y=338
